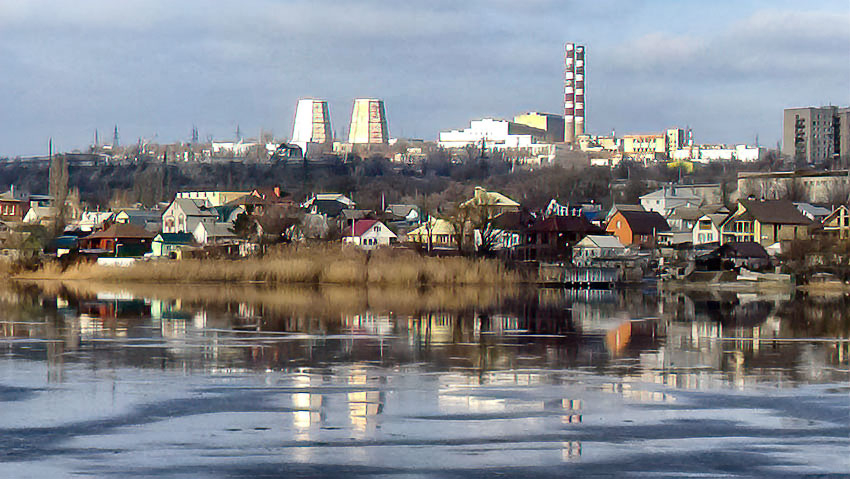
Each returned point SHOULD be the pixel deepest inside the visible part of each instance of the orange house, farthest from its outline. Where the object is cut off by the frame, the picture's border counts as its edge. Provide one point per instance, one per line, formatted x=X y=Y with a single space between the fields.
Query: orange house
x=637 y=228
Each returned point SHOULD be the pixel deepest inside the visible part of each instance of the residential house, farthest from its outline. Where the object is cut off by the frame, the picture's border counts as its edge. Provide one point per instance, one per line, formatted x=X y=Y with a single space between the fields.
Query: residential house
x=593 y=249
x=733 y=255
x=707 y=229
x=592 y=211
x=211 y=198
x=621 y=207
x=273 y=195
x=437 y=232
x=508 y=232
x=682 y=221
x=666 y=199
x=328 y=204
x=213 y=232
x=169 y=244
x=150 y=220
x=554 y=237
x=813 y=212
x=119 y=240
x=40 y=210
x=183 y=215
x=637 y=228
x=765 y=222
x=347 y=217
x=12 y=208
x=402 y=215
x=838 y=223
x=494 y=203
x=92 y=220
x=369 y=234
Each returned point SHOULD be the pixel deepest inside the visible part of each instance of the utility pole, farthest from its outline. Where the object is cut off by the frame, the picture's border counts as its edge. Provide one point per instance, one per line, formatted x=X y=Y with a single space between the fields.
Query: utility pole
x=164 y=195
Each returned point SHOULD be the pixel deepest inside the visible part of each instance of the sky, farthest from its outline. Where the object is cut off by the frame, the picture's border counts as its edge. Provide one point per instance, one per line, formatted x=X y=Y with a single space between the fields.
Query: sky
x=155 y=68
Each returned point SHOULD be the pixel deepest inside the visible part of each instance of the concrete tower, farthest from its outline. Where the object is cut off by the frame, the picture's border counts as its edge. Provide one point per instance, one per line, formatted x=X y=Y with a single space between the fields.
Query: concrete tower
x=312 y=123
x=574 y=92
x=368 y=122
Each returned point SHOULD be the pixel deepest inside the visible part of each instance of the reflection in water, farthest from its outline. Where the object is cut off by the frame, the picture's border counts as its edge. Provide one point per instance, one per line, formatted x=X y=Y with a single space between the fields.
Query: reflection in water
x=413 y=382
x=363 y=405
x=694 y=340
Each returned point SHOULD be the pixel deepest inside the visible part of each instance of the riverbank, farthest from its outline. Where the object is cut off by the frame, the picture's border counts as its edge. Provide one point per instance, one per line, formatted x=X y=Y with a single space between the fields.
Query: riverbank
x=296 y=265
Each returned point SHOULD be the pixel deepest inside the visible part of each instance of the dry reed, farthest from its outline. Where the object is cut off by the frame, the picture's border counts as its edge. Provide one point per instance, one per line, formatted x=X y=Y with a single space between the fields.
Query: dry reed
x=322 y=264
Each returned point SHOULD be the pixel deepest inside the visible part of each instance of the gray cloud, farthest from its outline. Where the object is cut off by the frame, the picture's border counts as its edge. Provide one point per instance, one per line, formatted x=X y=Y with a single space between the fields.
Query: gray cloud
x=157 y=67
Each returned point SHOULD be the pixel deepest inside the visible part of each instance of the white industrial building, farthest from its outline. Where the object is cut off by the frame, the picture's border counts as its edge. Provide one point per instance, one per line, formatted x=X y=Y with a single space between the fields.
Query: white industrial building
x=501 y=135
x=710 y=153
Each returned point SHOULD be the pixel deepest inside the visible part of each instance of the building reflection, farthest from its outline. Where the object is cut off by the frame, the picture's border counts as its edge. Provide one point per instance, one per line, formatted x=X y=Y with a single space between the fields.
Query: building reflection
x=691 y=339
x=364 y=403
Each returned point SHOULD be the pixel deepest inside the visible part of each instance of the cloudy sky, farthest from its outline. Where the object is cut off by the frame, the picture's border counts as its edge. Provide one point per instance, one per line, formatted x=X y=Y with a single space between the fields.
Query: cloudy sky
x=157 y=67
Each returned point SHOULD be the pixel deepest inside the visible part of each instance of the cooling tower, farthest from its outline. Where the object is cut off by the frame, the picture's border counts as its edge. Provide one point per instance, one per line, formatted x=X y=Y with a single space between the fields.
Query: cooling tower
x=312 y=123
x=368 y=122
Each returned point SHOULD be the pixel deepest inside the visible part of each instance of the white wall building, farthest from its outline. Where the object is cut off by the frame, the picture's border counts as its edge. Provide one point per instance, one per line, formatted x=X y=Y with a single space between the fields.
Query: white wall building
x=709 y=153
x=369 y=234
x=213 y=232
x=707 y=229
x=667 y=199
x=595 y=247
x=501 y=135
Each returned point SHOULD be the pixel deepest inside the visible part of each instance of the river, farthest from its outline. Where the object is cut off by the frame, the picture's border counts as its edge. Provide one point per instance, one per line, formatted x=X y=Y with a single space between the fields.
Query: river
x=213 y=381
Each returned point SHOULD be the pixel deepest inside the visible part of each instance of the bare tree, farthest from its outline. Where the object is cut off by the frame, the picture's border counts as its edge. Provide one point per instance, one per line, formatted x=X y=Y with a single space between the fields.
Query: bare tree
x=838 y=193
x=460 y=222
x=794 y=190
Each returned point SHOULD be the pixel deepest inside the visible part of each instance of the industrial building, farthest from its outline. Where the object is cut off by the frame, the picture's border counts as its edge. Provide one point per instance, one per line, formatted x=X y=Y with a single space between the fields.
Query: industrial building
x=311 y=129
x=553 y=125
x=502 y=135
x=574 y=92
x=368 y=123
x=817 y=135
x=645 y=148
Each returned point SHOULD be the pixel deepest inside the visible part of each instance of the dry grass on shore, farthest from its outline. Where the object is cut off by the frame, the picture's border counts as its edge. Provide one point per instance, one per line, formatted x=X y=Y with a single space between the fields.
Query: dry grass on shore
x=323 y=264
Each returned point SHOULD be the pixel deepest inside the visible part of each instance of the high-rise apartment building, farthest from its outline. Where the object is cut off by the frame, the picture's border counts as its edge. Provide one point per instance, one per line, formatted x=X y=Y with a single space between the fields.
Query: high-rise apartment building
x=312 y=123
x=574 y=92
x=813 y=135
x=368 y=122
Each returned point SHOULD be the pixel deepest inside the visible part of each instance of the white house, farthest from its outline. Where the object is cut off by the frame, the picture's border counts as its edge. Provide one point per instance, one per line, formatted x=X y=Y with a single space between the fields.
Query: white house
x=91 y=220
x=707 y=228
x=670 y=197
x=183 y=215
x=595 y=247
x=213 y=232
x=369 y=234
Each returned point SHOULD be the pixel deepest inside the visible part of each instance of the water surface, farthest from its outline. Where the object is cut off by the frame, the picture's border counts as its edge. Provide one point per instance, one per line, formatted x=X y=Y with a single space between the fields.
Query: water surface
x=243 y=381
